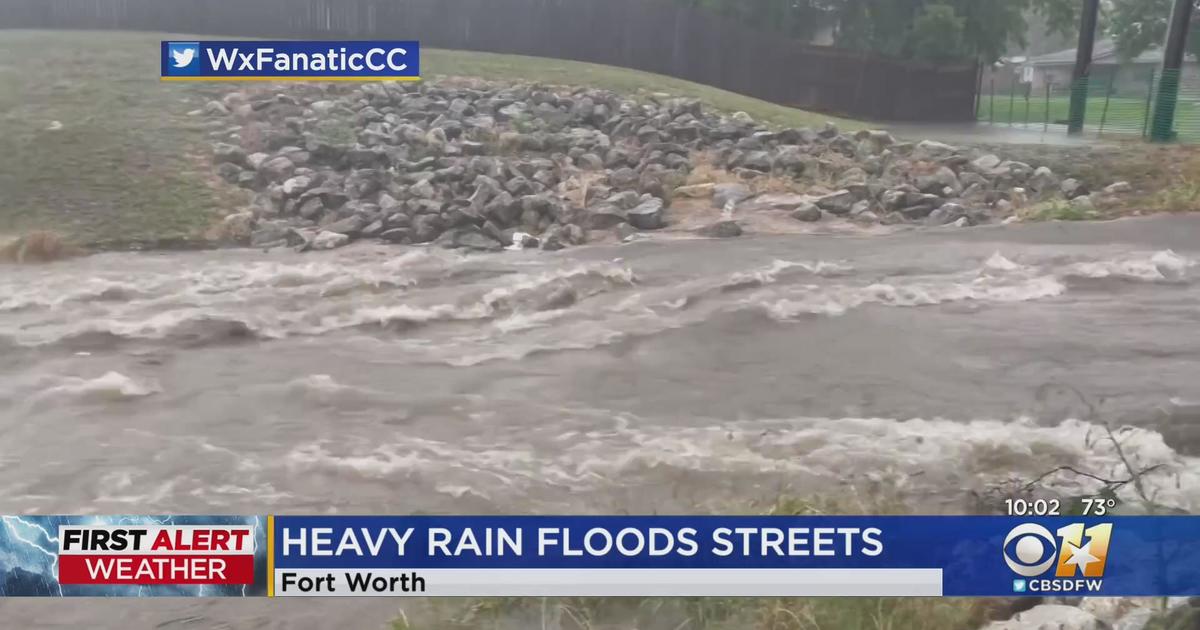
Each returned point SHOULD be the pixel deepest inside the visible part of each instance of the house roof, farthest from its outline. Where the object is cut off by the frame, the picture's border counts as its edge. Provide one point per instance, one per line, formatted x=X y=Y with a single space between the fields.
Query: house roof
x=1103 y=54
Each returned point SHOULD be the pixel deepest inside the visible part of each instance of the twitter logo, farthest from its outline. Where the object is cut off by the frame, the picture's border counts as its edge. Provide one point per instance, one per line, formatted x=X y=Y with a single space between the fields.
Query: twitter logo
x=182 y=59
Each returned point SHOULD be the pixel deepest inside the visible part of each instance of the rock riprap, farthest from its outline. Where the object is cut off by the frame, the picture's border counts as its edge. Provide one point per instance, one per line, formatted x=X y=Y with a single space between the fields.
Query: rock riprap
x=471 y=164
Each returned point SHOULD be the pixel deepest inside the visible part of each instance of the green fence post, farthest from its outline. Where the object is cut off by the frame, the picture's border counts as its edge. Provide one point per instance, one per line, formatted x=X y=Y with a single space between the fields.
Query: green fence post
x=1149 y=104
x=1083 y=65
x=1046 y=116
x=1028 y=93
x=992 y=101
x=1012 y=100
x=1112 y=77
x=1162 y=128
x=1079 y=98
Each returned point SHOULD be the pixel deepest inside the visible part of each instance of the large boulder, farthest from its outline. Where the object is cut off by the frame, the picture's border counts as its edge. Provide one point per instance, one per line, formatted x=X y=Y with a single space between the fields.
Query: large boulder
x=469 y=237
x=807 y=212
x=1043 y=180
x=695 y=191
x=792 y=160
x=775 y=201
x=947 y=213
x=931 y=150
x=294 y=186
x=270 y=233
x=328 y=240
x=503 y=209
x=311 y=208
x=724 y=193
x=757 y=161
x=229 y=153
x=939 y=182
x=236 y=227
x=396 y=235
x=624 y=178
x=840 y=202
x=1118 y=188
x=721 y=229
x=647 y=215
x=873 y=141
x=276 y=169
x=1072 y=188
x=426 y=227
x=231 y=173
x=350 y=226
x=604 y=216
x=1014 y=172
x=986 y=164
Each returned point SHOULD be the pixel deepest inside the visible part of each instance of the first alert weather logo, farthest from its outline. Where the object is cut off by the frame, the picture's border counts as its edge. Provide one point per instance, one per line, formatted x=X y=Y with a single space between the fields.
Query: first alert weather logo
x=156 y=555
x=1030 y=550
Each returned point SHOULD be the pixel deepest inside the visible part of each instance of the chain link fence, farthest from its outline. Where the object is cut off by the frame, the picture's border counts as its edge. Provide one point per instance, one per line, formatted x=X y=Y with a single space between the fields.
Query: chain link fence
x=1120 y=102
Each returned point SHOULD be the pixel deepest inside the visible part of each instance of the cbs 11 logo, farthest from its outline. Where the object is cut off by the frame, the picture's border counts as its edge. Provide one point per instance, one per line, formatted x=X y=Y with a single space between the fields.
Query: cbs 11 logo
x=1030 y=550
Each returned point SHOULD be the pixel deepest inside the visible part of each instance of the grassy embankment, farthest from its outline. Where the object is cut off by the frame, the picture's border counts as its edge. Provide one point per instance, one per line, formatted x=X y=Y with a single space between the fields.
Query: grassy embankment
x=95 y=147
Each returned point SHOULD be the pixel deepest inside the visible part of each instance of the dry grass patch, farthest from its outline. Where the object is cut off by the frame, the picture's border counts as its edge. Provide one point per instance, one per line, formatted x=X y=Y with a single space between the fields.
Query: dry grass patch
x=40 y=246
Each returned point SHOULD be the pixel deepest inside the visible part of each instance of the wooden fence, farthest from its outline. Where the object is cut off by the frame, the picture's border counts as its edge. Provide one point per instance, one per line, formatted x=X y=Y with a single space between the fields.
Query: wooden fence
x=649 y=35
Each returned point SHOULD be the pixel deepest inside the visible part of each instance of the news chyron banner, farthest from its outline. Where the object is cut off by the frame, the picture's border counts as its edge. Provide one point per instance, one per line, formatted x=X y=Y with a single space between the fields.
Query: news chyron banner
x=515 y=556
x=256 y=60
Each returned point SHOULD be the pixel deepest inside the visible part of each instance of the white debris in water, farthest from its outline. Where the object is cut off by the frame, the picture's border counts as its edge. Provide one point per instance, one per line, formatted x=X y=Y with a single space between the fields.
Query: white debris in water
x=110 y=386
x=770 y=274
x=999 y=263
x=838 y=299
x=927 y=458
x=1160 y=266
x=519 y=239
x=1170 y=265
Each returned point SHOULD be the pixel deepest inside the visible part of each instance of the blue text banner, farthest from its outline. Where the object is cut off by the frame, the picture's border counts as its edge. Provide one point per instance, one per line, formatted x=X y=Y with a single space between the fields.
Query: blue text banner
x=972 y=556
x=368 y=60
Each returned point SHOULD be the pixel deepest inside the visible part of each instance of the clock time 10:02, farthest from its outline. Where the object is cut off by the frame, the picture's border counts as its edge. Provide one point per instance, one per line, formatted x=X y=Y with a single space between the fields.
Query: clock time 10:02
x=1035 y=507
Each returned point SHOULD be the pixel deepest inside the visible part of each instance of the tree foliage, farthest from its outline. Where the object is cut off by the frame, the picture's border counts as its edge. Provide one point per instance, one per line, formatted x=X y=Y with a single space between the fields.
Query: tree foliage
x=1137 y=25
x=937 y=34
x=801 y=19
x=935 y=30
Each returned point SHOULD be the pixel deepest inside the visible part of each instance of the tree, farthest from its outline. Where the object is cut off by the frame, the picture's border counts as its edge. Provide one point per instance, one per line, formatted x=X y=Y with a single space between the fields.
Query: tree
x=935 y=30
x=902 y=27
x=1137 y=25
x=800 y=19
x=937 y=35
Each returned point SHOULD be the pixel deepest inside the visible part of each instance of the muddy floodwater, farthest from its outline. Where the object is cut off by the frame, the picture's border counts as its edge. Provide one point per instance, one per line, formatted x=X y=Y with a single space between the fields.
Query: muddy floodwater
x=659 y=376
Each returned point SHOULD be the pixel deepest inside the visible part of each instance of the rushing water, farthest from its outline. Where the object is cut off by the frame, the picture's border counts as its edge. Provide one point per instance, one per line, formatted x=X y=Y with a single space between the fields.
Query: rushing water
x=665 y=376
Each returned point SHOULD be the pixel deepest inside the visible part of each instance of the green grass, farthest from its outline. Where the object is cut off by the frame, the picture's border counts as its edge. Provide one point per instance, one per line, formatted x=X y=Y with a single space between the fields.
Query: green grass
x=128 y=165
x=1124 y=115
x=124 y=165
x=554 y=71
x=1183 y=195
x=1059 y=211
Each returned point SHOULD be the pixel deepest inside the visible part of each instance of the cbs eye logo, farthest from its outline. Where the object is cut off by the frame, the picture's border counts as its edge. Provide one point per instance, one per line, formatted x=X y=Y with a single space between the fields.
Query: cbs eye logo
x=1030 y=550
